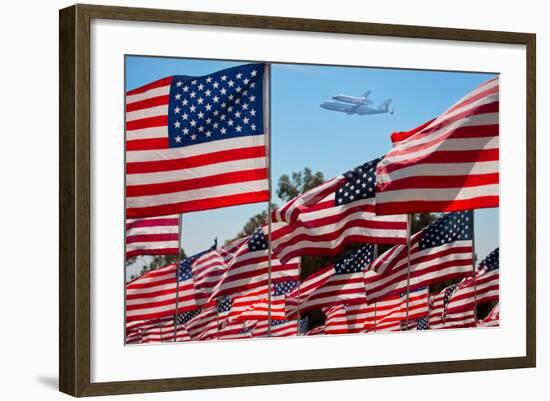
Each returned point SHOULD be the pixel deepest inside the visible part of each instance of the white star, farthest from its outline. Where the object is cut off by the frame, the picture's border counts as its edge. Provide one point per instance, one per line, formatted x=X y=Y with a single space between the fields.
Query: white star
x=209 y=79
x=178 y=139
x=246 y=81
x=186 y=88
x=238 y=89
x=178 y=96
x=245 y=120
x=193 y=94
x=208 y=134
x=193 y=123
x=177 y=124
x=201 y=114
x=200 y=100
x=215 y=85
x=184 y=102
x=223 y=131
x=201 y=87
x=176 y=109
x=223 y=91
x=192 y=108
x=208 y=107
x=193 y=137
x=244 y=106
x=239 y=75
x=253 y=127
x=179 y=84
x=215 y=99
x=252 y=112
x=239 y=128
x=185 y=131
x=208 y=120
x=253 y=73
x=237 y=114
x=184 y=116
x=194 y=82
x=231 y=83
x=201 y=128
x=252 y=98
x=224 y=77
x=230 y=122
x=207 y=92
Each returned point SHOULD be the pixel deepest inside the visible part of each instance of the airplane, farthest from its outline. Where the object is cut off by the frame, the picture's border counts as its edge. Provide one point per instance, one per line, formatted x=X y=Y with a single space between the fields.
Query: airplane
x=359 y=109
x=354 y=99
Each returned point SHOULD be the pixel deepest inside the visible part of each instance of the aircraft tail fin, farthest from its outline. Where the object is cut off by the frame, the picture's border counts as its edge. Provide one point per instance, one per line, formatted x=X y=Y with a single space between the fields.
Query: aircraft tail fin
x=366 y=94
x=385 y=105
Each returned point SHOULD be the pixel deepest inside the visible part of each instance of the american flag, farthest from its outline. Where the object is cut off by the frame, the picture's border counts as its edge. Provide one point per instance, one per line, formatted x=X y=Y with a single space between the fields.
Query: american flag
x=448 y=164
x=254 y=305
x=279 y=328
x=248 y=267
x=438 y=319
x=492 y=319
x=336 y=321
x=484 y=288
x=196 y=143
x=392 y=313
x=341 y=283
x=153 y=236
x=198 y=323
x=157 y=331
x=326 y=218
x=153 y=295
x=207 y=268
x=441 y=251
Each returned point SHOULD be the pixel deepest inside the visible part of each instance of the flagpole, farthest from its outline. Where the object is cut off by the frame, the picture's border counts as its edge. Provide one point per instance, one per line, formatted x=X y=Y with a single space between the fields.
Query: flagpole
x=409 y=224
x=178 y=263
x=298 y=306
x=267 y=131
x=474 y=265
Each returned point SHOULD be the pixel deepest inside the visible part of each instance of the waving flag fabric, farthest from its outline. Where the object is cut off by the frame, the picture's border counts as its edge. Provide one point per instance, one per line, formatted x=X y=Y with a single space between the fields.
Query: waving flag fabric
x=341 y=283
x=248 y=267
x=336 y=320
x=439 y=318
x=323 y=220
x=196 y=143
x=392 y=318
x=152 y=236
x=154 y=294
x=483 y=289
x=448 y=164
x=441 y=251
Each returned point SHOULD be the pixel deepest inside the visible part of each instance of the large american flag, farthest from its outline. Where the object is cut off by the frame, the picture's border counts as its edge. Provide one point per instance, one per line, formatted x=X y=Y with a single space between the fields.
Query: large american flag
x=441 y=251
x=154 y=294
x=326 y=218
x=448 y=164
x=196 y=143
x=248 y=267
x=153 y=236
x=340 y=283
x=484 y=288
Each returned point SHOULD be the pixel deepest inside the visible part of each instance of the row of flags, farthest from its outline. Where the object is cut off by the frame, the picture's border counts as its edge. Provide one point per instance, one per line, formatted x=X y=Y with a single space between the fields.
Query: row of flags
x=196 y=143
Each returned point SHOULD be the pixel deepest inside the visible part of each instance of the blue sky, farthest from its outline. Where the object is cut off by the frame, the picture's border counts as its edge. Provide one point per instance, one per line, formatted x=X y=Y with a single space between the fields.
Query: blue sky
x=304 y=134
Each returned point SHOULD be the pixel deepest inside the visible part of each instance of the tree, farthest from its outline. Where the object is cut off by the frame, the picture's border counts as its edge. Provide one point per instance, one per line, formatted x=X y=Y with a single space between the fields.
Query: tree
x=301 y=181
x=287 y=189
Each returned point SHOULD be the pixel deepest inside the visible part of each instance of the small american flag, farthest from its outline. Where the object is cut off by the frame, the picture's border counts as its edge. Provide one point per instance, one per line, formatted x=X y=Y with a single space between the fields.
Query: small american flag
x=439 y=320
x=326 y=218
x=248 y=267
x=154 y=294
x=441 y=251
x=196 y=143
x=448 y=164
x=485 y=288
x=153 y=236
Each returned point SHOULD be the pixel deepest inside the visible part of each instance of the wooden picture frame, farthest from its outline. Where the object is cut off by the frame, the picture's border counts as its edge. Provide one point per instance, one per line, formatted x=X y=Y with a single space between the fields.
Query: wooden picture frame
x=75 y=207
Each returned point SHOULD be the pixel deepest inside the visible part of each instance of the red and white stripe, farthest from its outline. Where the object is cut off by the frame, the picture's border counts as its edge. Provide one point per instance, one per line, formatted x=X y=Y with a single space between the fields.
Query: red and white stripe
x=438 y=319
x=325 y=288
x=204 y=322
x=318 y=330
x=154 y=294
x=286 y=329
x=249 y=269
x=467 y=295
x=322 y=228
x=152 y=236
x=254 y=305
x=208 y=270
x=390 y=313
x=388 y=273
x=159 y=330
x=161 y=180
x=450 y=163
x=336 y=321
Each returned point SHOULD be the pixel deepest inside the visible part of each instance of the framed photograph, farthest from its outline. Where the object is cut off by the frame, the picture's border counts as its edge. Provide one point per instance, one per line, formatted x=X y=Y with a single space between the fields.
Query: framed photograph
x=238 y=189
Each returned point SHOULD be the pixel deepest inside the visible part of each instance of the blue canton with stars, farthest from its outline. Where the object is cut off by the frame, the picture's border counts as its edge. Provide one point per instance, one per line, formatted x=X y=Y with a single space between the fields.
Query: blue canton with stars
x=303 y=325
x=185 y=317
x=284 y=287
x=224 y=305
x=360 y=184
x=449 y=291
x=452 y=227
x=222 y=105
x=257 y=241
x=185 y=267
x=422 y=323
x=491 y=261
x=356 y=261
